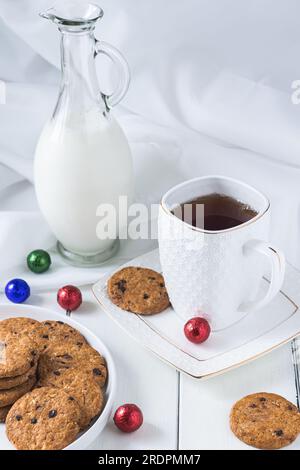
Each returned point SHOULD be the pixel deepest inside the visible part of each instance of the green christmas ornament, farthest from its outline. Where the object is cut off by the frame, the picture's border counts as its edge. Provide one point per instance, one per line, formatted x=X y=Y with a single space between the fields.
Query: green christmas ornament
x=38 y=261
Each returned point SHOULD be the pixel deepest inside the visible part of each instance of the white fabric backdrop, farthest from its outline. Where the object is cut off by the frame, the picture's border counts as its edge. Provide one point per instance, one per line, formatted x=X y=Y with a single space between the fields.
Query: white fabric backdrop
x=210 y=93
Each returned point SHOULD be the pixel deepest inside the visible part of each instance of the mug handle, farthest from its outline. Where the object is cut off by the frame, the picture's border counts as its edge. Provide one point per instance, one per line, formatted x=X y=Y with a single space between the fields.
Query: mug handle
x=277 y=262
x=102 y=47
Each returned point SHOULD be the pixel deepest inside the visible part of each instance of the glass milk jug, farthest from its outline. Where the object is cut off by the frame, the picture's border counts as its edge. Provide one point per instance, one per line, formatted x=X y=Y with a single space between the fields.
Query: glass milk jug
x=83 y=163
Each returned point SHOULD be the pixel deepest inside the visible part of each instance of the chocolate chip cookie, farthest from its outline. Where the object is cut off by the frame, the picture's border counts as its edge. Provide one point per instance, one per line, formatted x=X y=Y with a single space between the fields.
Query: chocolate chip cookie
x=3 y=413
x=10 y=382
x=17 y=325
x=22 y=326
x=44 y=419
x=9 y=396
x=265 y=421
x=73 y=355
x=81 y=387
x=138 y=290
x=58 y=331
x=18 y=353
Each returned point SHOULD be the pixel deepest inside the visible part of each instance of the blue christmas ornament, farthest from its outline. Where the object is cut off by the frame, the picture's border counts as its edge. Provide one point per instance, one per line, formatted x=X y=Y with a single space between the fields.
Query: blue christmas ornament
x=17 y=291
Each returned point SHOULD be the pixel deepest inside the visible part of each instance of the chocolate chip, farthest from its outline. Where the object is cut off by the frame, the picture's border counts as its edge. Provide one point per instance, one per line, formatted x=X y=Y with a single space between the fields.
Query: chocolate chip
x=71 y=398
x=33 y=421
x=47 y=323
x=56 y=372
x=79 y=343
x=97 y=371
x=121 y=285
x=52 y=413
x=19 y=417
x=146 y=296
x=33 y=353
x=162 y=284
x=32 y=363
x=60 y=322
x=290 y=408
x=262 y=399
x=45 y=336
x=151 y=278
x=279 y=432
x=253 y=405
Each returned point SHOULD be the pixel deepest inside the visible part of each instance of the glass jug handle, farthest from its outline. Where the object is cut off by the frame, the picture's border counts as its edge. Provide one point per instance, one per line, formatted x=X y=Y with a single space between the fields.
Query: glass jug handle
x=116 y=57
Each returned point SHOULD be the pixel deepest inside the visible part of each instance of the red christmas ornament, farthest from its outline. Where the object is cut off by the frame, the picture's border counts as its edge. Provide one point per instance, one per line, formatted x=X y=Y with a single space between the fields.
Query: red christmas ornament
x=128 y=417
x=197 y=330
x=69 y=298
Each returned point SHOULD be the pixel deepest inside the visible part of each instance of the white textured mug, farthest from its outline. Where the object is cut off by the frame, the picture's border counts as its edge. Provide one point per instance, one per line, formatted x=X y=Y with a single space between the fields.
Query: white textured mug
x=217 y=273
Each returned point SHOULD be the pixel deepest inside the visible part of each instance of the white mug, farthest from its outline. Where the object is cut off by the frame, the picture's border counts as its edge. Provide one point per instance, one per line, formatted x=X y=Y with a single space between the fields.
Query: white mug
x=217 y=274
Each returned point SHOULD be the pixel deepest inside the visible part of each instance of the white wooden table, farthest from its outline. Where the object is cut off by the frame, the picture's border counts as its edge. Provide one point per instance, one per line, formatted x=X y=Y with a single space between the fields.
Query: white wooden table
x=179 y=412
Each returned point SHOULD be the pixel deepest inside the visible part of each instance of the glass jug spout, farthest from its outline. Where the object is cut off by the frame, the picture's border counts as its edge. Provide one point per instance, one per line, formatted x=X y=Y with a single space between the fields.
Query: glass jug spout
x=73 y=13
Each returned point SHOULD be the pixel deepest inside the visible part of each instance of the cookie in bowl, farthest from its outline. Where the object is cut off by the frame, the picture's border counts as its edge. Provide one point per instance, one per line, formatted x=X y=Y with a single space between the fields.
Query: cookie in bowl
x=44 y=419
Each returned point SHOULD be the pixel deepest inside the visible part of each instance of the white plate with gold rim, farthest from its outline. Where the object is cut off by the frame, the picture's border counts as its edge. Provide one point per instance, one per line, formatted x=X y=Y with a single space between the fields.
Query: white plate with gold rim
x=255 y=335
x=88 y=437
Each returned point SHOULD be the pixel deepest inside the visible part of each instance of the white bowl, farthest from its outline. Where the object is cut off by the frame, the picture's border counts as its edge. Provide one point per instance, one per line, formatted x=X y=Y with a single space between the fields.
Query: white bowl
x=41 y=314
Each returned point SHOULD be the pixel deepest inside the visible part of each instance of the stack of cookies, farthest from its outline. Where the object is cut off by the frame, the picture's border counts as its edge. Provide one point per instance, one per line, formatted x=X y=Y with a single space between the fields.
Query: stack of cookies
x=18 y=361
x=67 y=377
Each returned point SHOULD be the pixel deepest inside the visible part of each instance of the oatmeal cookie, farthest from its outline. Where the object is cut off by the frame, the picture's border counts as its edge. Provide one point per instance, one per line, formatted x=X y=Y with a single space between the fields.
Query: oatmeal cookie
x=265 y=421
x=7 y=397
x=18 y=353
x=24 y=326
x=44 y=419
x=81 y=387
x=73 y=355
x=59 y=331
x=10 y=382
x=138 y=290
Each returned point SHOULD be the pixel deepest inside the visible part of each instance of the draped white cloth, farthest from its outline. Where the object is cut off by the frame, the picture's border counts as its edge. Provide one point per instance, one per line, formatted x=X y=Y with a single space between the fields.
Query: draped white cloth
x=210 y=93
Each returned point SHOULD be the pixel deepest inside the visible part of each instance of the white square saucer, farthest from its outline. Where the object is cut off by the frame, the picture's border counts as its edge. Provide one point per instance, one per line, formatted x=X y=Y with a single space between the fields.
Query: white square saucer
x=255 y=335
